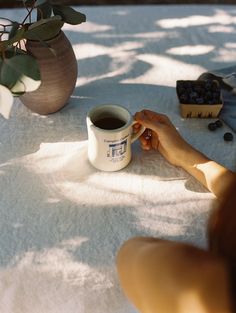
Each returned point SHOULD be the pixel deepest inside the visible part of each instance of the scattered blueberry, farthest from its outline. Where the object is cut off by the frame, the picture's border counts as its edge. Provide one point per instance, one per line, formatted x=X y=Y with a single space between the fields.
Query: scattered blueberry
x=212 y=126
x=218 y=123
x=228 y=137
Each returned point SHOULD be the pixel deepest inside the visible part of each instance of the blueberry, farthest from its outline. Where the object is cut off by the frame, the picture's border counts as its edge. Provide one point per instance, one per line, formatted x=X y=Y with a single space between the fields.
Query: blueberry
x=192 y=101
x=188 y=84
x=208 y=95
x=193 y=94
x=180 y=90
x=228 y=137
x=199 y=89
x=200 y=100
x=211 y=101
x=183 y=98
x=212 y=126
x=216 y=94
x=218 y=123
x=208 y=85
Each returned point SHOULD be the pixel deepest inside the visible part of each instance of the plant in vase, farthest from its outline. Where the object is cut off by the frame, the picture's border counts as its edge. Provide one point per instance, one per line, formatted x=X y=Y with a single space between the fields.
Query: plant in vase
x=37 y=62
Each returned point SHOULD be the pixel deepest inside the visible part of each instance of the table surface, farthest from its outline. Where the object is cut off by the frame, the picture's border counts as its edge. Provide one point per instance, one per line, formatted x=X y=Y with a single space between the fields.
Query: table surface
x=62 y=221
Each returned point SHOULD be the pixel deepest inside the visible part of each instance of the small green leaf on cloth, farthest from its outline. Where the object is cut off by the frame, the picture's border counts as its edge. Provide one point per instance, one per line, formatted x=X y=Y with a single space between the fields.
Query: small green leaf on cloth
x=6 y=101
x=69 y=15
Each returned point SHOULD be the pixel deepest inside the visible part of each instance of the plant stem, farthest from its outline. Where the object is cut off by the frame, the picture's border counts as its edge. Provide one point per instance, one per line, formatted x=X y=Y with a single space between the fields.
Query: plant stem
x=5 y=25
x=29 y=12
x=7 y=19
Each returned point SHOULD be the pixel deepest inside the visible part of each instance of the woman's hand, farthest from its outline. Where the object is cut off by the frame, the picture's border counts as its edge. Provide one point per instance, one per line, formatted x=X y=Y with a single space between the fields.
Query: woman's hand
x=161 y=135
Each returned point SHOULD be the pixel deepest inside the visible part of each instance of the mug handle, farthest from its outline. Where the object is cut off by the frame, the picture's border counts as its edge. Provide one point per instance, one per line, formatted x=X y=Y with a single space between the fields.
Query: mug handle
x=138 y=134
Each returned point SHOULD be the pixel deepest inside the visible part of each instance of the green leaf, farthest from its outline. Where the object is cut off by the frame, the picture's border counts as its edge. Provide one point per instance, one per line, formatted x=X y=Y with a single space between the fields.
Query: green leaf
x=15 y=27
x=8 y=75
x=13 y=69
x=6 y=101
x=69 y=15
x=40 y=2
x=12 y=51
x=29 y=3
x=44 y=29
x=44 y=11
x=18 y=36
x=25 y=84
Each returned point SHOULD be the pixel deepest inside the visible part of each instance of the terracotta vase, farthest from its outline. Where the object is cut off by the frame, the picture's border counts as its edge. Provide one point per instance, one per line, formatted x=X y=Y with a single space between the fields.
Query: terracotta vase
x=58 y=75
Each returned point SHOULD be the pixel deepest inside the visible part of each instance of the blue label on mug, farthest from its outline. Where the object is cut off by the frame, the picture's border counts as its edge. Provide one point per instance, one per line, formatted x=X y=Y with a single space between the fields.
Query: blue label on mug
x=117 y=149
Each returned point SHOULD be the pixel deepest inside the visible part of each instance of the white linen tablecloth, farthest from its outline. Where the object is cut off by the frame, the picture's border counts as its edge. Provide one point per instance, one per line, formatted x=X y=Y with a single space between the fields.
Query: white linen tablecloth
x=62 y=221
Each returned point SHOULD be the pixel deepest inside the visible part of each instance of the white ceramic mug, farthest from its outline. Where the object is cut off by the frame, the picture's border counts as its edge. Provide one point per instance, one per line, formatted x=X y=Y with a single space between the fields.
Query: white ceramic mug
x=110 y=134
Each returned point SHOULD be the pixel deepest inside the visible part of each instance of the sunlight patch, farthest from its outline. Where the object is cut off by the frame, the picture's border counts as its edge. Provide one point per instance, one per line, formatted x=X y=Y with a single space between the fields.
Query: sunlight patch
x=225 y=55
x=221 y=29
x=221 y=17
x=88 y=27
x=191 y=50
x=165 y=71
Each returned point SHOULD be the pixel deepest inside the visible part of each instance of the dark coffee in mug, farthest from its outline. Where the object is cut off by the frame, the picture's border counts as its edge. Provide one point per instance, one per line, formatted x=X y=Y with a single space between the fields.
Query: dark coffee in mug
x=109 y=123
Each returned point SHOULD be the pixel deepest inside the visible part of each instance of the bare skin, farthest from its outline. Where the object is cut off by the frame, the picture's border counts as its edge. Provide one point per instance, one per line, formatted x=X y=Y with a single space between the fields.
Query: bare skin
x=166 y=139
x=171 y=277
x=167 y=277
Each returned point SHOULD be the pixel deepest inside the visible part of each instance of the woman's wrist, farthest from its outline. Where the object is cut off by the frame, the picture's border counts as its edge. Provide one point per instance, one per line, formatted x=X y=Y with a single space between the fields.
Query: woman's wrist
x=188 y=157
x=215 y=177
x=192 y=158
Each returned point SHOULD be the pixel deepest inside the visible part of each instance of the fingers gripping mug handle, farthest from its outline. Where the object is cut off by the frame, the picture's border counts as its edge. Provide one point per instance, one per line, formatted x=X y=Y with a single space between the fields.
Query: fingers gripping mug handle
x=135 y=136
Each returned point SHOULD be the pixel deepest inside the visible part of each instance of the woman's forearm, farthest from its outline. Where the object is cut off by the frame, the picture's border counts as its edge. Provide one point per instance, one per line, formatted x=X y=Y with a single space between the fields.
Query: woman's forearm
x=215 y=177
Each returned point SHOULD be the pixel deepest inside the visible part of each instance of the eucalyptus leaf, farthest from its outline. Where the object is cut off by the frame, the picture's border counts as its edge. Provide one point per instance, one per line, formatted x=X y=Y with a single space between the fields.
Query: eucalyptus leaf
x=10 y=52
x=69 y=15
x=18 y=36
x=6 y=101
x=13 y=69
x=25 y=84
x=44 y=11
x=8 y=75
x=15 y=26
x=44 y=21
x=29 y=3
x=40 y=2
x=44 y=29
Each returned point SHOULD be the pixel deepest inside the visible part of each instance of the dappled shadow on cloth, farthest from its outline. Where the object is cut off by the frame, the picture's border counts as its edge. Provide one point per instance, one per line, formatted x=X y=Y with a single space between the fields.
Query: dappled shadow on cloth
x=62 y=218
